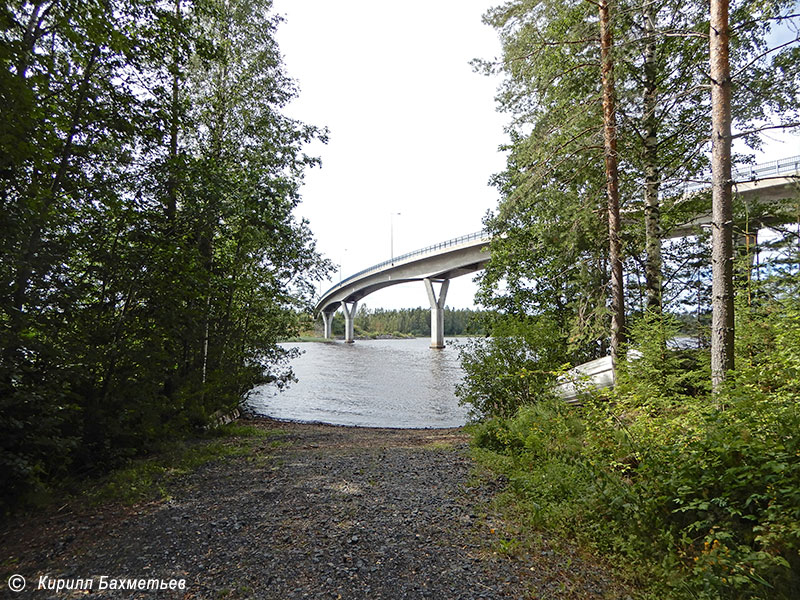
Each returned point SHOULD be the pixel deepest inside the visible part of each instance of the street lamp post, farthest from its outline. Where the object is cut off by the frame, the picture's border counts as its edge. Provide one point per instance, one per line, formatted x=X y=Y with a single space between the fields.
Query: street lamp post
x=391 y=234
x=341 y=265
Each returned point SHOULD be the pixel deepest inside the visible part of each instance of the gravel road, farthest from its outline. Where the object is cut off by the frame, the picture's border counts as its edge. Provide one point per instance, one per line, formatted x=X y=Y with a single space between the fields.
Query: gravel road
x=314 y=511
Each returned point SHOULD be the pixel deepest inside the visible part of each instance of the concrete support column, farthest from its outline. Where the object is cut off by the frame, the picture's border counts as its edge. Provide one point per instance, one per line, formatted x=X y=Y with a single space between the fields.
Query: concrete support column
x=437 y=311
x=349 y=319
x=327 y=321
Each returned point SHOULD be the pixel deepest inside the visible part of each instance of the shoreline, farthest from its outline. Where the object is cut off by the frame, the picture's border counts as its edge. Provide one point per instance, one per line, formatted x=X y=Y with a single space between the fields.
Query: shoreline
x=248 y=414
x=322 y=340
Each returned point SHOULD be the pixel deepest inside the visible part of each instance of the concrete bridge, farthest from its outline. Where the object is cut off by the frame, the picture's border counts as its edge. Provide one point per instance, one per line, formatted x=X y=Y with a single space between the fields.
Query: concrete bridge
x=769 y=184
x=436 y=264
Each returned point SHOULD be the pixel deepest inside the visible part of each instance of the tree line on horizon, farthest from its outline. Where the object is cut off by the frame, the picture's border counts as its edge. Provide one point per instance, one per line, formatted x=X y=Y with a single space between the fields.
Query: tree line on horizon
x=410 y=321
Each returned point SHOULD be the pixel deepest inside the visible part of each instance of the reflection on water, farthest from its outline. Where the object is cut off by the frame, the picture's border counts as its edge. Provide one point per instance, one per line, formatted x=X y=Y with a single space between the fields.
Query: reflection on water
x=372 y=383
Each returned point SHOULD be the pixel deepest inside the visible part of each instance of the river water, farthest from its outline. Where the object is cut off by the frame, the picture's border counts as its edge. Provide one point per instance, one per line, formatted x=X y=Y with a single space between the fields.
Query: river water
x=372 y=383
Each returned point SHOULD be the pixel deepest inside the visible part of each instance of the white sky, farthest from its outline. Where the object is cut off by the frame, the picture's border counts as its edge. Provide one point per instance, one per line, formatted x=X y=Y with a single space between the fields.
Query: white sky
x=413 y=130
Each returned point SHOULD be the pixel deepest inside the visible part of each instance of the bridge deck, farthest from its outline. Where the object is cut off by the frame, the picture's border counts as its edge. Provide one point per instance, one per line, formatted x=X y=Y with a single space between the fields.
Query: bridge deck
x=445 y=260
x=768 y=183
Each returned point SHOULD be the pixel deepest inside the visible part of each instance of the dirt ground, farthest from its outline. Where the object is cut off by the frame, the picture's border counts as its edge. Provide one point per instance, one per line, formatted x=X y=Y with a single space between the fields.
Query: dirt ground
x=314 y=511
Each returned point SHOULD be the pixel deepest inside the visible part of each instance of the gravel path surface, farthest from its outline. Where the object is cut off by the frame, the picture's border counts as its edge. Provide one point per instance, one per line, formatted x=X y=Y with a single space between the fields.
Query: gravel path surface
x=314 y=512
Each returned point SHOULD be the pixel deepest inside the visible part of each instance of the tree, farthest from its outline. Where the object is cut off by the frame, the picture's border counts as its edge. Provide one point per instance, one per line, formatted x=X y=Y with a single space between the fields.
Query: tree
x=652 y=221
x=65 y=157
x=612 y=184
x=150 y=259
x=550 y=248
x=722 y=327
x=548 y=254
x=661 y=128
x=766 y=90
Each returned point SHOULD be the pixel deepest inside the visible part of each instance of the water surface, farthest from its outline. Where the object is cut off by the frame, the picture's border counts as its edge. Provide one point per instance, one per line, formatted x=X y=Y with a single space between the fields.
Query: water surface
x=372 y=383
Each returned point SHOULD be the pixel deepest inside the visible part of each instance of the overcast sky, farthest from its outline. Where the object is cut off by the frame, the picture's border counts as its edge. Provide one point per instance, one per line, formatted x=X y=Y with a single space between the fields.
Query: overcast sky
x=413 y=130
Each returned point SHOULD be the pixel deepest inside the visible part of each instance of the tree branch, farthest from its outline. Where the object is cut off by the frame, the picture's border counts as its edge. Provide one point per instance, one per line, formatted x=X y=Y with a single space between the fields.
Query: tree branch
x=688 y=34
x=765 y=128
x=779 y=18
x=762 y=55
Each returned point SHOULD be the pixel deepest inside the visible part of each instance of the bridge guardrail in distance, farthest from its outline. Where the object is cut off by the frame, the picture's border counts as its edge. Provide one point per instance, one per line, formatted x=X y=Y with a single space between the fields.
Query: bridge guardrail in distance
x=773 y=168
x=482 y=234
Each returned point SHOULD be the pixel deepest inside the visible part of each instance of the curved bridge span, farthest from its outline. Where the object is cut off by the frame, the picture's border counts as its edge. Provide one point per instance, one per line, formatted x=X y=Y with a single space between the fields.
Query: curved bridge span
x=435 y=264
x=768 y=184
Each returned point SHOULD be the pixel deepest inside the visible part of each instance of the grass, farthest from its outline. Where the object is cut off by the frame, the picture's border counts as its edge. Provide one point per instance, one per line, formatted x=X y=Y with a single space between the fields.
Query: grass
x=150 y=478
x=510 y=521
x=441 y=446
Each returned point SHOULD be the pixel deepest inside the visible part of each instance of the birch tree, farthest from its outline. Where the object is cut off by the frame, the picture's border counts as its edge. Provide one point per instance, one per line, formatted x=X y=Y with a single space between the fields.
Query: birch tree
x=150 y=259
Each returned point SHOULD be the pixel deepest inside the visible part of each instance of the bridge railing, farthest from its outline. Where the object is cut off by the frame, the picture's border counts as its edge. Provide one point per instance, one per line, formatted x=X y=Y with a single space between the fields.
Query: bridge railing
x=773 y=168
x=782 y=166
x=478 y=235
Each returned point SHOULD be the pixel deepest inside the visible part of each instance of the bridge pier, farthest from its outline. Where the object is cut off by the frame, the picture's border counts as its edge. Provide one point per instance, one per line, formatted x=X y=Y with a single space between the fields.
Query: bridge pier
x=437 y=311
x=327 y=322
x=349 y=319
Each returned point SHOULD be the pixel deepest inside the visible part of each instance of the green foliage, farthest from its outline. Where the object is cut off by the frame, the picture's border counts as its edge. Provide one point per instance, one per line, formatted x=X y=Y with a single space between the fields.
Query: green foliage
x=549 y=233
x=660 y=363
x=696 y=492
x=150 y=478
x=514 y=367
x=150 y=259
x=409 y=322
x=695 y=501
x=417 y=321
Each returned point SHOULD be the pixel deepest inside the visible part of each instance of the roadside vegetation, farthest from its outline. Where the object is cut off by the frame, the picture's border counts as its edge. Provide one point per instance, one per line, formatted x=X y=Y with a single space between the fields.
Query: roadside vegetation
x=691 y=495
x=151 y=477
x=687 y=474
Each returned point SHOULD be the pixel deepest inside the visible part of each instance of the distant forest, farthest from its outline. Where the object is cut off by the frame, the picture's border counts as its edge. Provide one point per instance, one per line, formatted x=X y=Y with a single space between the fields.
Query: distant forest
x=410 y=321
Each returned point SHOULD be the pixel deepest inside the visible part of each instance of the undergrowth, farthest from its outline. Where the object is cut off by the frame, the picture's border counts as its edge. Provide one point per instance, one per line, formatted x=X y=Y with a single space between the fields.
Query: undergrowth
x=692 y=495
x=150 y=477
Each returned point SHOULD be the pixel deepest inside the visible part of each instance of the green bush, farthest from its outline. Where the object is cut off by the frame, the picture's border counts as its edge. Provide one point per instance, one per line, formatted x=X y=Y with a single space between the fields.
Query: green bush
x=656 y=367
x=733 y=494
x=514 y=367
x=698 y=496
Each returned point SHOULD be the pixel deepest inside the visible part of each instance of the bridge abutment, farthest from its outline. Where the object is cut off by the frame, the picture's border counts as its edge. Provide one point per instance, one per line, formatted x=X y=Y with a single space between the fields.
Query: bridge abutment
x=349 y=321
x=437 y=311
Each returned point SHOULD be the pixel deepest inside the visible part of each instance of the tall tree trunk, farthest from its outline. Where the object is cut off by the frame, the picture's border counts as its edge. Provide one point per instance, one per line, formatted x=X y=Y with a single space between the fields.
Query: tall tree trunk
x=722 y=324
x=173 y=374
x=172 y=182
x=612 y=185
x=652 y=210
